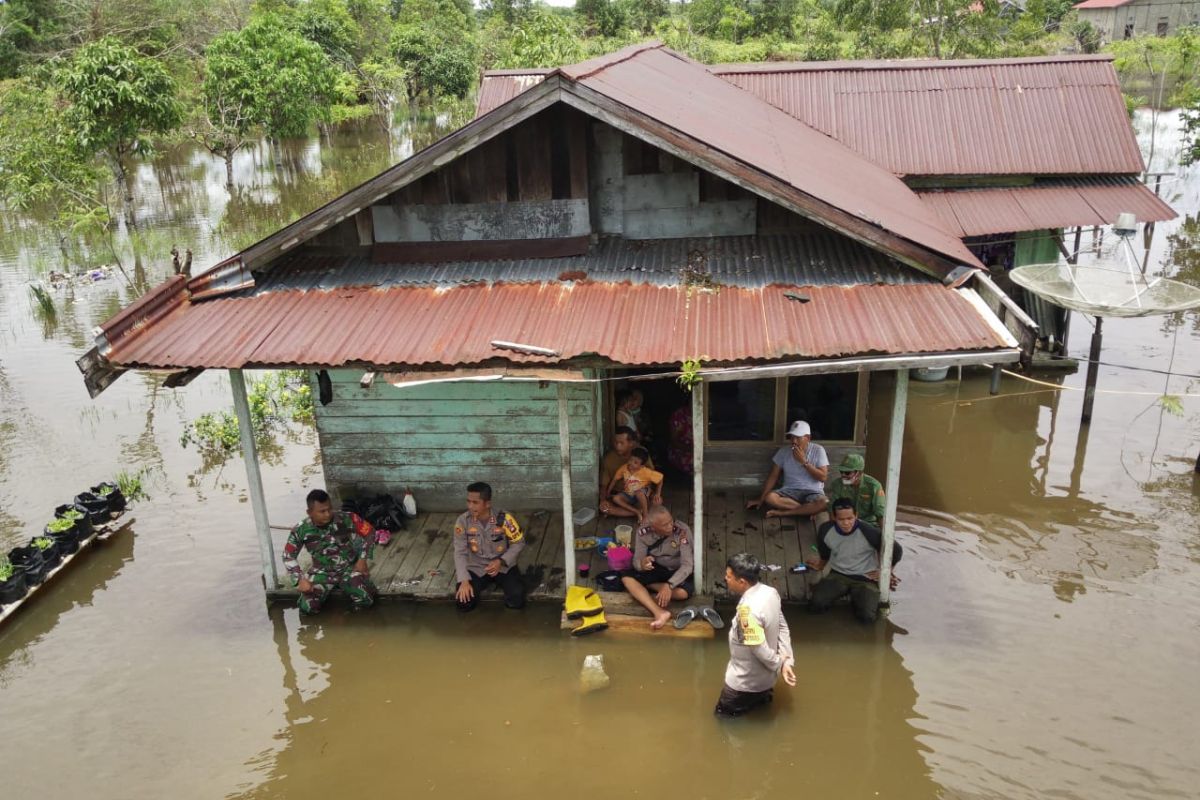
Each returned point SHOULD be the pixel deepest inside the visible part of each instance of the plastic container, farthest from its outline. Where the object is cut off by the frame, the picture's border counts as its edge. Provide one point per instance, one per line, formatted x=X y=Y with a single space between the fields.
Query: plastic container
x=624 y=534
x=585 y=570
x=583 y=516
x=603 y=543
x=593 y=676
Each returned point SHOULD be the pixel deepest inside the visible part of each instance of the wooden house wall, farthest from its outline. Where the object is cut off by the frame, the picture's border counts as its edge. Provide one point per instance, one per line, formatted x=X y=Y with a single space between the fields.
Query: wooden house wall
x=438 y=438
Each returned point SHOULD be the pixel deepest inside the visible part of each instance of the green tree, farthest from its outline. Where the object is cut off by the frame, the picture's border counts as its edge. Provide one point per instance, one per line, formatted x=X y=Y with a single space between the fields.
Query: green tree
x=434 y=43
x=600 y=17
x=119 y=99
x=1190 y=116
x=541 y=39
x=642 y=16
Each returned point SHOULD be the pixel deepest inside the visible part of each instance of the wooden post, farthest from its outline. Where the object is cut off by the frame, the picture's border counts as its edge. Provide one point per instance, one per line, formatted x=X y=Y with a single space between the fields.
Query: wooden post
x=1089 y=388
x=892 y=487
x=698 y=486
x=564 y=446
x=258 y=501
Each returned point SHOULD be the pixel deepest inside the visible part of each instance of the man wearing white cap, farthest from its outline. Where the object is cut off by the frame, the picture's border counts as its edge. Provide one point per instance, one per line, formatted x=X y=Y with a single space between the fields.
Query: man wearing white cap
x=804 y=467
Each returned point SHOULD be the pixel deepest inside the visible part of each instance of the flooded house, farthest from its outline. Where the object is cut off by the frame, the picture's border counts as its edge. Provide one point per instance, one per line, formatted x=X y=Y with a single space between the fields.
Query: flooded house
x=1016 y=156
x=469 y=313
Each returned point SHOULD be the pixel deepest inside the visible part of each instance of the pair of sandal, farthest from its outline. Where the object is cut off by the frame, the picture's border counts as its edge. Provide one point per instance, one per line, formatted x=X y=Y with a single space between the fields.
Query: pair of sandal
x=707 y=613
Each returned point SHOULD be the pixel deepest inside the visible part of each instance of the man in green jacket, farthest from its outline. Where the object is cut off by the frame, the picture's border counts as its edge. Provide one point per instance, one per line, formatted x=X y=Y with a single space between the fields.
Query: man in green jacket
x=860 y=488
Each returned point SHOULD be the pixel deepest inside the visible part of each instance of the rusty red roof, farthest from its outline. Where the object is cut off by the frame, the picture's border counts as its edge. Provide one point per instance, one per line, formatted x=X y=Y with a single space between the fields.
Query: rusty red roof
x=1101 y=4
x=1065 y=203
x=622 y=323
x=1048 y=115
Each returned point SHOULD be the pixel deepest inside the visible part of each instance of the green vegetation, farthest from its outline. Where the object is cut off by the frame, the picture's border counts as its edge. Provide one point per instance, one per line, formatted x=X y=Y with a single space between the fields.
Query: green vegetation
x=6 y=569
x=60 y=525
x=281 y=398
x=42 y=301
x=44 y=542
x=72 y=515
x=130 y=484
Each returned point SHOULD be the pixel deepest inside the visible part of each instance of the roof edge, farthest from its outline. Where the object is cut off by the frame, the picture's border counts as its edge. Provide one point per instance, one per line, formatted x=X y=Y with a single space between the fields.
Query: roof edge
x=586 y=69
x=897 y=64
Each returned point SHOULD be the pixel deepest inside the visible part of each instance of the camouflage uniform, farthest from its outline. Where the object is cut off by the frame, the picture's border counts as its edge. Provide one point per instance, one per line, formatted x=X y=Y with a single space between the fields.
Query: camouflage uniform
x=867 y=497
x=335 y=548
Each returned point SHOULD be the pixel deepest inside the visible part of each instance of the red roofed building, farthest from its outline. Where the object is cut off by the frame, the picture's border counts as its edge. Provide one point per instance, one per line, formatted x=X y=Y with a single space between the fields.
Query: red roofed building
x=1124 y=19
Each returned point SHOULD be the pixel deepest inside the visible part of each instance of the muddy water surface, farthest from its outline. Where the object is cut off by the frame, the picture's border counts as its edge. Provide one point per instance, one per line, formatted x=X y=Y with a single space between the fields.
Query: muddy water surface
x=1043 y=643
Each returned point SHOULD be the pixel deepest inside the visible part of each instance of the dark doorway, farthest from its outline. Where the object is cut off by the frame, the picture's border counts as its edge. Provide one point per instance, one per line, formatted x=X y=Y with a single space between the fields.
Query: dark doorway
x=661 y=398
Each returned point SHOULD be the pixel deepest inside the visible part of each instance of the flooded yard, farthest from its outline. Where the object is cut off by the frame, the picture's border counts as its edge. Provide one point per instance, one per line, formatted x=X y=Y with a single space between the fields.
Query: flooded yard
x=1043 y=642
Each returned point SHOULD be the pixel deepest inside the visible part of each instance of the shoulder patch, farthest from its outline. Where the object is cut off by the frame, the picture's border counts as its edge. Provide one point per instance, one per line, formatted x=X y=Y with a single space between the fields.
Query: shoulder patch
x=458 y=530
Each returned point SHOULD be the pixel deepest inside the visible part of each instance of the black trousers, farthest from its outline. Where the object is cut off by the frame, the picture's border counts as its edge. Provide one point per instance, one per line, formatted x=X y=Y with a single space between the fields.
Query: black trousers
x=864 y=595
x=733 y=703
x=510 y=583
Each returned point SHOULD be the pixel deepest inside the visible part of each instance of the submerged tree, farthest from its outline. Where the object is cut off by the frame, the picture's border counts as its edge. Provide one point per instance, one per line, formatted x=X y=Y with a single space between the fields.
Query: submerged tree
x=118 y=100
x=434 y=43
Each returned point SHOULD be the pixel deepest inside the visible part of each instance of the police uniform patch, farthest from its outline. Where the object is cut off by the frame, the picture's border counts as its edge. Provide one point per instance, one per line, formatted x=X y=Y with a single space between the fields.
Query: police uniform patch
x=752 y=633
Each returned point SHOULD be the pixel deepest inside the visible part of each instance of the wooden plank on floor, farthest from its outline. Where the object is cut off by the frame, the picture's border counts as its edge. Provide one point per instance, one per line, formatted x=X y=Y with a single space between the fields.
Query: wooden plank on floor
x=409 y=569
x=774 y=554
x=550 y=557
x=625 y=624
x=807 y=541
x=794 y=544
x=388 y=558
x=721 y=508
x=441 y=539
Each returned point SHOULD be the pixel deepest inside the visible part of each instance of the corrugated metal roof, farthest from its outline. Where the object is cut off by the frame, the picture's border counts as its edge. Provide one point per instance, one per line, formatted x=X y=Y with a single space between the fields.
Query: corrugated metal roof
x=1006 y=116
x=672 y=90
x=744 y=261
x=498 y=86
x=1061 y=115
x=626 y=324
x=1049 y=204
x=1101 y=4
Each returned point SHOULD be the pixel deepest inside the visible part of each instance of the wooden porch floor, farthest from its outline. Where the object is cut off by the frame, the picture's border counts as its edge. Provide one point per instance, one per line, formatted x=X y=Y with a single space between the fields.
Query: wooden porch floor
x=418 y=563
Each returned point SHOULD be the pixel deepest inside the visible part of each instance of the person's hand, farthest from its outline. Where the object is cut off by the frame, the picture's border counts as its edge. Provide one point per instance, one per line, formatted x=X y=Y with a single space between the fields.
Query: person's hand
x=664 y=596
x=493 y=568
x=305 y=586
x=800 y=454
x=657 y=499
x=814 y=563
x=789 y=674
x=647 y=563
x=753 y=504
x=360 y=566
x=464 y=593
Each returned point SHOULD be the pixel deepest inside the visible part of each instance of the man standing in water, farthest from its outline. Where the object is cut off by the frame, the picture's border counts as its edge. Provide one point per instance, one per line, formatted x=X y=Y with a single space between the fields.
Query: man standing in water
x=760 y=644
x=337 y=542
x=852 y=549
x=486 y=546
x=804 y=467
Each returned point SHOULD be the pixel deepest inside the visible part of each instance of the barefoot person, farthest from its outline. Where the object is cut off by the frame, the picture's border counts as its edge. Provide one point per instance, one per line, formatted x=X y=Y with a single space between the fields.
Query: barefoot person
x=623 y=441
x=662 y=563
x=634 y=487
x=804 y=467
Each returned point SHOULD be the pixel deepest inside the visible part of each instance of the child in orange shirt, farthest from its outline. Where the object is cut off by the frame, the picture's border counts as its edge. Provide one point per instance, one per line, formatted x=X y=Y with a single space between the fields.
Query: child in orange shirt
x=638 y=484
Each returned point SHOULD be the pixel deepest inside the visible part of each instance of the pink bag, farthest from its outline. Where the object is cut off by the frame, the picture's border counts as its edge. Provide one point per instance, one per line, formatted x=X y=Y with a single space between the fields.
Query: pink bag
x=619 y=557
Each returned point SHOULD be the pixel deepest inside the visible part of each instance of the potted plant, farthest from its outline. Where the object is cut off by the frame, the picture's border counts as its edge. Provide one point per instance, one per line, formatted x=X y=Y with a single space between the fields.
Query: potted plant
x=51 y=556
x=30 y=560
x=97 y=507
x=83 y=524
x=112 y=494
x=12 y=581
x=64 y=533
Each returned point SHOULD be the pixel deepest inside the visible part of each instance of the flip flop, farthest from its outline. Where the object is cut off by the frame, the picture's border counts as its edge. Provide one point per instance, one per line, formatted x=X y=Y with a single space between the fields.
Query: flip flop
x=684 y=617
x=711 y=617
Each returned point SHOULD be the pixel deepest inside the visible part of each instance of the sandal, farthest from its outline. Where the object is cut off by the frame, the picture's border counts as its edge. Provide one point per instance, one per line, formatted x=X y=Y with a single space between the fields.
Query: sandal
x=684 y=617
x=712 y=617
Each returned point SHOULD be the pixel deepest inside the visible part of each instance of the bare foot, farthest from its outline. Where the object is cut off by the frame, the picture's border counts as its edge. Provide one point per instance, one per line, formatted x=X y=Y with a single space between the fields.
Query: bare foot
x=660 y=619
x=773 y=513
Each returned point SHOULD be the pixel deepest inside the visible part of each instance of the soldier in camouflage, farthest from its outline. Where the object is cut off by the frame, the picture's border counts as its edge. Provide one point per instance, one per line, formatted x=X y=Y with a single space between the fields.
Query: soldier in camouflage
x=338 y=543
x=486 y=546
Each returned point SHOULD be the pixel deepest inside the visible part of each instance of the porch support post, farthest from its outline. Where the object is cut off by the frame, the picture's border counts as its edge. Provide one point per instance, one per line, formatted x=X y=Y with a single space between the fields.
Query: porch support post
x=258 y=501
x=698 y=486
x=564 y=446
x=892 y=489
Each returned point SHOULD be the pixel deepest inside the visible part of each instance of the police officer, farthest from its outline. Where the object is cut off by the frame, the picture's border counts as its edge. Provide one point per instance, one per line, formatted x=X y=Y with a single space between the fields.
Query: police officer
x=486 y=546
x=663 y=562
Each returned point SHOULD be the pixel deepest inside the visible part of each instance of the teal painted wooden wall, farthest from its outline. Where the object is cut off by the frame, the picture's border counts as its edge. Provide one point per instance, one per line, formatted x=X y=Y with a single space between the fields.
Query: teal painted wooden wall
x=438 y=438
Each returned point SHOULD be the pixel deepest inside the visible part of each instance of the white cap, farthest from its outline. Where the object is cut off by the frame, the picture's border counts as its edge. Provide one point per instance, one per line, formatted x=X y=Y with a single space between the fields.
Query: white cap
x=799 y=428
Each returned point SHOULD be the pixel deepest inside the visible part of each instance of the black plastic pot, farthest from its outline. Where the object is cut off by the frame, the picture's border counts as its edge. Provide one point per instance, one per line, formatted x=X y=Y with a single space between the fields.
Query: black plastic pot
x=13 y=589
x=83 y=525
x=29 y=559
x=115 y=497
x=66 y=542
x=51 y=556
x=96 y=507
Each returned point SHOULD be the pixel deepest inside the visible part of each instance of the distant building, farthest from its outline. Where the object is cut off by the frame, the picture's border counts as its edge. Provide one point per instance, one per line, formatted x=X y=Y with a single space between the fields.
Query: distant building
x=1124 y=19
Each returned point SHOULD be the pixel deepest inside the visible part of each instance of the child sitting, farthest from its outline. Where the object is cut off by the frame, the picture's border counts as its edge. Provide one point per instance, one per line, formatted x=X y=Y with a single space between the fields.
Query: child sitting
x=639 y=484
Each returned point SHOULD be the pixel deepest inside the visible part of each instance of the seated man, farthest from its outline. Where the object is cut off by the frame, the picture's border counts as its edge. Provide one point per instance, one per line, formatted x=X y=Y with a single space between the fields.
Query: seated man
x=623 y=441
x=337 y=542
x=663 y=561
x=852 y=550
x=804 y=467
x=864 y=491
x=486 y=546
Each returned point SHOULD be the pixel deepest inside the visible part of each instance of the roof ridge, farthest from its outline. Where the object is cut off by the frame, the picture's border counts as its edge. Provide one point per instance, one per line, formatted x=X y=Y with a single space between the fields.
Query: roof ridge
x=586 y=69
x=899 y=64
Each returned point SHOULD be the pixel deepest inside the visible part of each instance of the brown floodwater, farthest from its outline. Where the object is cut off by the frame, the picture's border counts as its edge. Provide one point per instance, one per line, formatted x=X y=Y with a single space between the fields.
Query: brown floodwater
x=1044 y=643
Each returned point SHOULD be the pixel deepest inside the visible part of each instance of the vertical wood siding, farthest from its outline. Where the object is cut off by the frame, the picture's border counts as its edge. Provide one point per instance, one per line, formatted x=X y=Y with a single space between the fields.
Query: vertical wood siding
x=438 y=438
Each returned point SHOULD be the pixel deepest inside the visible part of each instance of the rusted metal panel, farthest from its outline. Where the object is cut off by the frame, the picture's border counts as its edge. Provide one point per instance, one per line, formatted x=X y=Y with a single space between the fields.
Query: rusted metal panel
x=501 y=85
x=1045 y=115
x=1059 y=204
x=413 y=326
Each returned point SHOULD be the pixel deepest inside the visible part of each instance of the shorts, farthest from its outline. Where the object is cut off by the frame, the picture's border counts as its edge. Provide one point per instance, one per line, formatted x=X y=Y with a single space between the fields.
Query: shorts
x=801 y=495
x=658 y=575
x=733 y=703
x=633 y=498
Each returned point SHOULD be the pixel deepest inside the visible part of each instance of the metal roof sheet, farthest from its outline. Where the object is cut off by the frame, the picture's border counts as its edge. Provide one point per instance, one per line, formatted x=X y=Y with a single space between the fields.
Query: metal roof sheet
x=1015 y=116
x=634 y=324
x=1050 y=204
x=744 y=261
x=674 y=91
x=1101 y=4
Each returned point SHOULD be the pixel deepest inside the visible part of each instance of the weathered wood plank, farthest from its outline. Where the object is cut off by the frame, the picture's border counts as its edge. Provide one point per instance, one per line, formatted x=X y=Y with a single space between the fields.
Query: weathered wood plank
x=338 y=453
x=408 y=567
x=400 y=474
x=401 y=407
x=479 y=222
x=440 y=535
x=463 y=426
x=774 y=552
x=720 y=506
x=576 y=134
x=420 y=441
x=533 y=159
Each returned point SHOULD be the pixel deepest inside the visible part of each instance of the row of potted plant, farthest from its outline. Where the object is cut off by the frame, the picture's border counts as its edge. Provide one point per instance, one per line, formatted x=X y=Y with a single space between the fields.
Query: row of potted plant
x=25 y=567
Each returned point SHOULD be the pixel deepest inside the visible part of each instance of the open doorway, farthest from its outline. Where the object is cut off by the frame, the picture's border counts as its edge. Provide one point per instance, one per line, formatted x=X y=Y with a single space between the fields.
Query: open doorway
x=663 y=420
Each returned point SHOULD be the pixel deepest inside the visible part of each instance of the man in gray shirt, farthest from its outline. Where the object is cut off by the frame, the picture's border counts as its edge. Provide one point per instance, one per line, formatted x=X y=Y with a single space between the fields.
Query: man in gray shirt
x=760 y=645
x=852 y=549
x=804 y=466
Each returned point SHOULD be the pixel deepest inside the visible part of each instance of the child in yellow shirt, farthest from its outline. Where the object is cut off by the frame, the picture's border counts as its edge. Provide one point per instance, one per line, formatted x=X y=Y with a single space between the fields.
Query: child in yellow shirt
x=638 y=485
